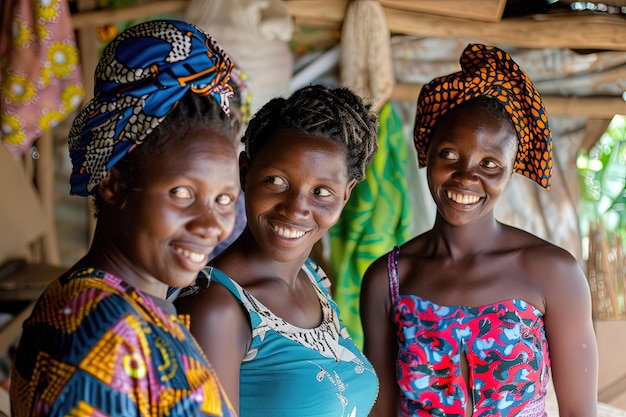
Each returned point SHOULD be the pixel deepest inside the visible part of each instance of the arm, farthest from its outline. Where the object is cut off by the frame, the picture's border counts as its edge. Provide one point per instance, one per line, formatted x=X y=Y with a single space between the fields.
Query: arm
x=570 y=334
x=380 y=346
x=219 y=324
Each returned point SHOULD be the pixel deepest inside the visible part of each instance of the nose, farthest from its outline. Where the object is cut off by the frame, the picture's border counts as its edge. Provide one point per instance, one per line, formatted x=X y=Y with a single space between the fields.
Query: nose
x=296 y=205
x=465 y=175
x=209 y=224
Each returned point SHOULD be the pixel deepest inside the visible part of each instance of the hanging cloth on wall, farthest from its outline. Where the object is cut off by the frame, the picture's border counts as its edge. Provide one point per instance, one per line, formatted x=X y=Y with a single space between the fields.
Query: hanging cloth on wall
x=376 y=218
x=40 y=77
x=366 y=61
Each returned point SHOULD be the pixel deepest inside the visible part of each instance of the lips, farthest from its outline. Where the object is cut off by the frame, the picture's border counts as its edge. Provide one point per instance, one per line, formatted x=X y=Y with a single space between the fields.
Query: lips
x=462 y=198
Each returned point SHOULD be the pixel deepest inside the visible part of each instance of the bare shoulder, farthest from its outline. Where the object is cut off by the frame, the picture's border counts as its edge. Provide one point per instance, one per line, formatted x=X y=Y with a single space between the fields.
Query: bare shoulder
x=376 y=278
x=542 y=255
x=377 y=273
x=375 y=285
x=553 y=268
x=213 y=301
x=377 y=269
x=215 y=310
x=408 y=253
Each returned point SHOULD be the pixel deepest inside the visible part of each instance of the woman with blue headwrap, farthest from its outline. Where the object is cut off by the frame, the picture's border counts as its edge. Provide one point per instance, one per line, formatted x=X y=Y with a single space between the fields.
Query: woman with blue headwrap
x=154 y=148
x=470 y=317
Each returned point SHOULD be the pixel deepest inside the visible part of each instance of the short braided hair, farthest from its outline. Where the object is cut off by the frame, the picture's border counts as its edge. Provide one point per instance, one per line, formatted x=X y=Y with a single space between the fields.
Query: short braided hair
x=334 y=113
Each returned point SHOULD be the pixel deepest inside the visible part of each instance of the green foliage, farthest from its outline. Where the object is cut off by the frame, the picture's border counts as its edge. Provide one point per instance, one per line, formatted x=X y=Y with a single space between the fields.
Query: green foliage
x=602 y=174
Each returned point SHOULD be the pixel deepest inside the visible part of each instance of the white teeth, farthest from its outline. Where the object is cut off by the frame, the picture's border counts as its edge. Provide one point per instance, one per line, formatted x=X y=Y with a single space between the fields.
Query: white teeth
x=462 y=198
x=287 y=233
x=195 y=257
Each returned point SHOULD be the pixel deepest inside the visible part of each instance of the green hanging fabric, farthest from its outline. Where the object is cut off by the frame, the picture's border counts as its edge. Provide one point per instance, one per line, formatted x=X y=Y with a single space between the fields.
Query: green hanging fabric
x=376 y=218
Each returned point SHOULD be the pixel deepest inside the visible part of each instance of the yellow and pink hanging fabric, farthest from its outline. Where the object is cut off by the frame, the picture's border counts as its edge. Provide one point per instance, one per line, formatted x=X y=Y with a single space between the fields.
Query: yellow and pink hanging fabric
x=40 y=77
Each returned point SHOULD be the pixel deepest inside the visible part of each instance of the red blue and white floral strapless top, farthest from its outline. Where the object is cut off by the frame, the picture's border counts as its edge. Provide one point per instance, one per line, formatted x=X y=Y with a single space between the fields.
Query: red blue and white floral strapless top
x=505 y=346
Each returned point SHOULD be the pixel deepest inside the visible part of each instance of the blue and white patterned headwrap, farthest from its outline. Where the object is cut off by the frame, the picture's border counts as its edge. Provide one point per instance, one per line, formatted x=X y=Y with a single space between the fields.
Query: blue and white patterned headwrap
x=142 y=75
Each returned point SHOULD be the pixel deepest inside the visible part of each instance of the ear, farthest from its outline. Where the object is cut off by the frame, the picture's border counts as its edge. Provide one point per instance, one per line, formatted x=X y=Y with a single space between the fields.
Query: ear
x=110 y=189
x=349 y=189
x=244 y=166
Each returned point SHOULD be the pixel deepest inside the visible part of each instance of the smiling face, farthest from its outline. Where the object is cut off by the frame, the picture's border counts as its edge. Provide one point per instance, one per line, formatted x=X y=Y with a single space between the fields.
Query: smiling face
x=182 y=206
x=470 y=162
x=295 y=188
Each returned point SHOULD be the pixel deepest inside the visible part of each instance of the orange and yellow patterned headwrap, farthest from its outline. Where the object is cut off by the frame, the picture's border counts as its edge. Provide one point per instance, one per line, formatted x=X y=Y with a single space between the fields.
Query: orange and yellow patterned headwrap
x=489 y=71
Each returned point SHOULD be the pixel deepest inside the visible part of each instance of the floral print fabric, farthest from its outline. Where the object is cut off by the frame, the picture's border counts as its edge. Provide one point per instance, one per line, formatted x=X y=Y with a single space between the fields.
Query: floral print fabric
x=504 y=344
x=40 y=77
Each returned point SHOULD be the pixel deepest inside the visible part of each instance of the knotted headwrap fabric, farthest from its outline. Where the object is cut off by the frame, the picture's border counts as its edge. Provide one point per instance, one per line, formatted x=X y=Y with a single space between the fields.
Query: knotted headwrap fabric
x=489 y=71
x=239 y=81
x=140 y=78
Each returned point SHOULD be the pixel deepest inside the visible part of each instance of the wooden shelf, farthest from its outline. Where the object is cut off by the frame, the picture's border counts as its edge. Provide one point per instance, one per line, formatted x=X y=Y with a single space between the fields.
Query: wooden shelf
x=478 y=10
x=539 y=31
x=592 y=107
x=95 y=18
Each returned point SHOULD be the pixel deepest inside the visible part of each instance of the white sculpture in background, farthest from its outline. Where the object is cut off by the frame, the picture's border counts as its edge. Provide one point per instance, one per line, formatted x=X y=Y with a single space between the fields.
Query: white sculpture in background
x=256 y=34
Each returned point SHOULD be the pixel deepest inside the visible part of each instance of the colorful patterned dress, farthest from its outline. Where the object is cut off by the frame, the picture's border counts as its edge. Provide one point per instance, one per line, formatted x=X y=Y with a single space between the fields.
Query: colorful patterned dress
x=290 y=371
x=505 y=346
x=95 y=346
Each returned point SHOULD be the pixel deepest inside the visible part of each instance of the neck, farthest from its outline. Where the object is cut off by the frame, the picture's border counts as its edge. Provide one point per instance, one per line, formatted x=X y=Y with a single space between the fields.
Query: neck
x=105 y=255
x=461 y=241
x=247 y=262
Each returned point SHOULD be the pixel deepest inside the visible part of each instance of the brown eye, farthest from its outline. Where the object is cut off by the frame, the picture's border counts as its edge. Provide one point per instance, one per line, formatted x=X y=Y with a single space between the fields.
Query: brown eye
x=279 y=181
x=225 y=199
x=445 y=154
x=322 y=192
x=182 y=193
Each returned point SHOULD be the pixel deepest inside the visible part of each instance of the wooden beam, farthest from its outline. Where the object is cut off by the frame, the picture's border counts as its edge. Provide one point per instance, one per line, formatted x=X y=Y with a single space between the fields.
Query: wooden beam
x=594 y=128
x=317 y=13
x=95 y=18
x=479 y=10
x=539 y=31
x=44 y=175
x=592 y=107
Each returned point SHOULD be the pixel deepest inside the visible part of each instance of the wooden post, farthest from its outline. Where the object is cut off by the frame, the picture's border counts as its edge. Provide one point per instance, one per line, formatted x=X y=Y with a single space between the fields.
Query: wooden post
x=44 y=175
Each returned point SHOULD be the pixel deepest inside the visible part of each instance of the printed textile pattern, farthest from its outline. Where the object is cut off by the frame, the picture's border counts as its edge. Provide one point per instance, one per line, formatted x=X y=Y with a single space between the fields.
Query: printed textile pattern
x=96 y=346
x=40 y=77
x=305 y=372
x=142 y=75
x=489 y=71
x=504 y=344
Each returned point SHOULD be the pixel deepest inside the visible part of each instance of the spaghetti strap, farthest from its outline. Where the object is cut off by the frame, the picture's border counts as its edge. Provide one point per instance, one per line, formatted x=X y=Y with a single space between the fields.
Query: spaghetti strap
x=392 y=268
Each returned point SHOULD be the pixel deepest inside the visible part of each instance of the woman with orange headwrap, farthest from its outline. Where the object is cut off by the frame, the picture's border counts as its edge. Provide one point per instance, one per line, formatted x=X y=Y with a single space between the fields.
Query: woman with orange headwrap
x=468 y=318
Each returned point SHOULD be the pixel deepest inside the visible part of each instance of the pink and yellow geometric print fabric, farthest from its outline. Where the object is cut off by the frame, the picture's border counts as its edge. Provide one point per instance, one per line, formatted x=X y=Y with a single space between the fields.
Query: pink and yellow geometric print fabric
x=95 y=346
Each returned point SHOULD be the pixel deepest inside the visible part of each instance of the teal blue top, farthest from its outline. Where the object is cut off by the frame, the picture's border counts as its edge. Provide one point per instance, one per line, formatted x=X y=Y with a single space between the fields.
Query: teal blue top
x=290 y=371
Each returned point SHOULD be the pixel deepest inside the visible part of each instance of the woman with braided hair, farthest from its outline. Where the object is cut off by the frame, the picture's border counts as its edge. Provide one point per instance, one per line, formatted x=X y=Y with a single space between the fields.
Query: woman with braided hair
x=468 y=318
x=154 y=148
x=267 y=321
